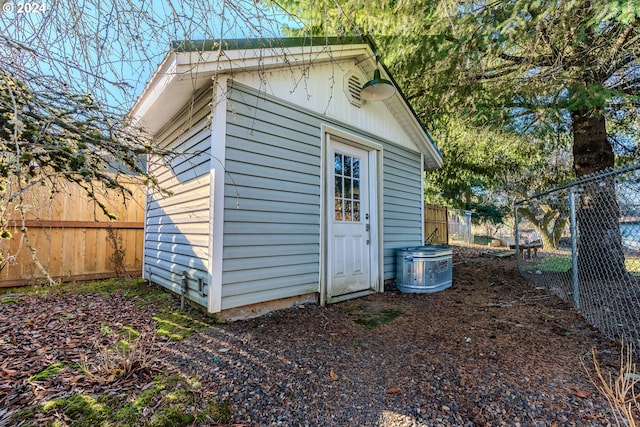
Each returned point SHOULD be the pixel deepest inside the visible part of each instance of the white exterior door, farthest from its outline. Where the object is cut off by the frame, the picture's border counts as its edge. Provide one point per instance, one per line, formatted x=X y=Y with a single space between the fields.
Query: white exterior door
x=349 y=245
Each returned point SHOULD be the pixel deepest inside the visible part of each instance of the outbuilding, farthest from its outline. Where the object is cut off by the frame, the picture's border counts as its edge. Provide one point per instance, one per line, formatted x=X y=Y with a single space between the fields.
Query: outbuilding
x=286 y=186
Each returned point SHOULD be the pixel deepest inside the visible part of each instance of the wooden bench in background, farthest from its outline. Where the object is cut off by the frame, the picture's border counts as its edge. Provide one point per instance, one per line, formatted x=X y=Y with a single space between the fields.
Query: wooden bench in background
x=526 y=250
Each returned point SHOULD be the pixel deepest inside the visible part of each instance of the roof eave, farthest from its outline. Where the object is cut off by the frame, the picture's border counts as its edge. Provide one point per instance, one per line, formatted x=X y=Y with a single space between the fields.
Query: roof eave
x=160 y=80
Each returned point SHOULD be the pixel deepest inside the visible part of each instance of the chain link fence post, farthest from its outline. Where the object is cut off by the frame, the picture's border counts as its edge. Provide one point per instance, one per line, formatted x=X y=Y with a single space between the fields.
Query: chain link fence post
x=574 y=248
x=516 y=226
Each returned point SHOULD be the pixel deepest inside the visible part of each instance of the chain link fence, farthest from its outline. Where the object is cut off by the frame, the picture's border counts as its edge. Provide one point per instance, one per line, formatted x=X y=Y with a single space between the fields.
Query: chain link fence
x=581 y=242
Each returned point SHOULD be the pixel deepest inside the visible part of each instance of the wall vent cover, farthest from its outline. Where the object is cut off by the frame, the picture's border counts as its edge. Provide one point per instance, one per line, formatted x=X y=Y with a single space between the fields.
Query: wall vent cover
x=352 y=86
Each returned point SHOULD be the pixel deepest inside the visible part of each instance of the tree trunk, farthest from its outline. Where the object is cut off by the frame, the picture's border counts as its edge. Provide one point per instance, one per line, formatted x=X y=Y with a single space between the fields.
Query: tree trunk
x=600 y=251
x=592 y=151
x=550 y=226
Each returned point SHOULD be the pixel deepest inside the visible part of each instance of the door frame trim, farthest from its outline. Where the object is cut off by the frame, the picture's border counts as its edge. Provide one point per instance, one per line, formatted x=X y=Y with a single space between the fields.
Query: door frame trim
x=376 y=264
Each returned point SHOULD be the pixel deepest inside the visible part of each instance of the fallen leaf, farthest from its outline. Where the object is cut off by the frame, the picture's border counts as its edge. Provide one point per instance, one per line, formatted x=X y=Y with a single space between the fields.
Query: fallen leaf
x=8 y=372
x=333 y=375
x=75 y=379
x=393 y=390
x=580 y=393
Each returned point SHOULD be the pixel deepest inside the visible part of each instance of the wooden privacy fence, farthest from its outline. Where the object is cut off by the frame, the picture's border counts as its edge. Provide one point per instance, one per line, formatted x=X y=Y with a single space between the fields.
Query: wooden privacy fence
x=436 y=220
x=73 y=238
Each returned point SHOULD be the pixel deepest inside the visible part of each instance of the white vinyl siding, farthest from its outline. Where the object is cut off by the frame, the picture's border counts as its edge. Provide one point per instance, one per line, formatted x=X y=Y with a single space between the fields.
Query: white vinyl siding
x=177 y=224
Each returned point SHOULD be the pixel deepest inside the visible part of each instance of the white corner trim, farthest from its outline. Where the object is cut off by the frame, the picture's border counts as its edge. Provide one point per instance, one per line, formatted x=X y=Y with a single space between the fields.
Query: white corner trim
x=375 y=217
x=216 y=208
x=422 y=172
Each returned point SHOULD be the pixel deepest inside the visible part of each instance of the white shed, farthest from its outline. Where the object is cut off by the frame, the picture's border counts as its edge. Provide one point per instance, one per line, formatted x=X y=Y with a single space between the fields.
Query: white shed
x=289 y=187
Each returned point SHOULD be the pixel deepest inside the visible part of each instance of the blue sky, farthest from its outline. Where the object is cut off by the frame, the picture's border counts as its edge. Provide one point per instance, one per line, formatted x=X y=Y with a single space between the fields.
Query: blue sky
x=111 y=48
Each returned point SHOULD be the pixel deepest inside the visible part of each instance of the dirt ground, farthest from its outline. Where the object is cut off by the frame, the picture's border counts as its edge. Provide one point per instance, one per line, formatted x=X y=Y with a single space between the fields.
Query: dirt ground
x=492 y=350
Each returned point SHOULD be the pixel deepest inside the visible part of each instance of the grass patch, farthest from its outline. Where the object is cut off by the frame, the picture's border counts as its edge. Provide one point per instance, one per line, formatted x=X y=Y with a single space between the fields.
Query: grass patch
x=361 y=344
x=131 y=335
x=15 y=292
x=172 y=323
x=371 y=318
x=482 y=240
x=559 y=264
x=47 y=373
x=123 y=345
x=563 y=263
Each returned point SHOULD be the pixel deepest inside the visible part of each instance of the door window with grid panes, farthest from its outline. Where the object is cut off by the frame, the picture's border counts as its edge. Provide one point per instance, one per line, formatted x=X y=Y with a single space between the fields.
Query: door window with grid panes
x=347 y=187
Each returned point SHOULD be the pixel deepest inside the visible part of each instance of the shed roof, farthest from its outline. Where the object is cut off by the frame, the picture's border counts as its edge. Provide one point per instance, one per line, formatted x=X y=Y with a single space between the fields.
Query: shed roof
x=191 y=64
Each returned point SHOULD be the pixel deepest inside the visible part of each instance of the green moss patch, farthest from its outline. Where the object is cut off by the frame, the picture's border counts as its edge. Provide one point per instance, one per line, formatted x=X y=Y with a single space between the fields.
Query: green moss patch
x=217 y=412
x=97 y=390
x=168 y=401
x=130 y=332
x=84 y=410
x=131 y=287
x=177 y=325
x=133 y=409
x=47 y=373
x=371 y=317
x=170 y=416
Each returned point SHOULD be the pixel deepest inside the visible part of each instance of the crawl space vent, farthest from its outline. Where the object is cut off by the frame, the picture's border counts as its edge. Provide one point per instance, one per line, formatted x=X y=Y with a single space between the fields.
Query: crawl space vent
x=352 y=88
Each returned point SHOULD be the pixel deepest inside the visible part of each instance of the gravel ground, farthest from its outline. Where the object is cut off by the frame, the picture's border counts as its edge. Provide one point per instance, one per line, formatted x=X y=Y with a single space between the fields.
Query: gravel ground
x=490 y=351
x=493 y=350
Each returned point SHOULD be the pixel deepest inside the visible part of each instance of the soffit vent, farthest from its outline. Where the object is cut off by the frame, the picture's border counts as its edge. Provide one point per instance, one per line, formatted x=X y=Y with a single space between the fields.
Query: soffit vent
x=352 y=86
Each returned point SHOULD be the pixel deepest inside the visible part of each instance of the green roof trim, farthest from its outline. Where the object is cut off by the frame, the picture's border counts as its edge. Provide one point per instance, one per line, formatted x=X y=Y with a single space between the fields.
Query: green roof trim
x=263 y=43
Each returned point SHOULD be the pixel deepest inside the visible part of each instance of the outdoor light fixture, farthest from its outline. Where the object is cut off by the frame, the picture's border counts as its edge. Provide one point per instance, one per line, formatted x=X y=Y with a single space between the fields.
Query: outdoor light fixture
x=377 y=89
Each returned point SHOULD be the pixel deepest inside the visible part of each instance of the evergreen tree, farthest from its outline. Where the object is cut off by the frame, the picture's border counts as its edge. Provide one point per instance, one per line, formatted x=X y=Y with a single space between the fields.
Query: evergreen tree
x=525 y=67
